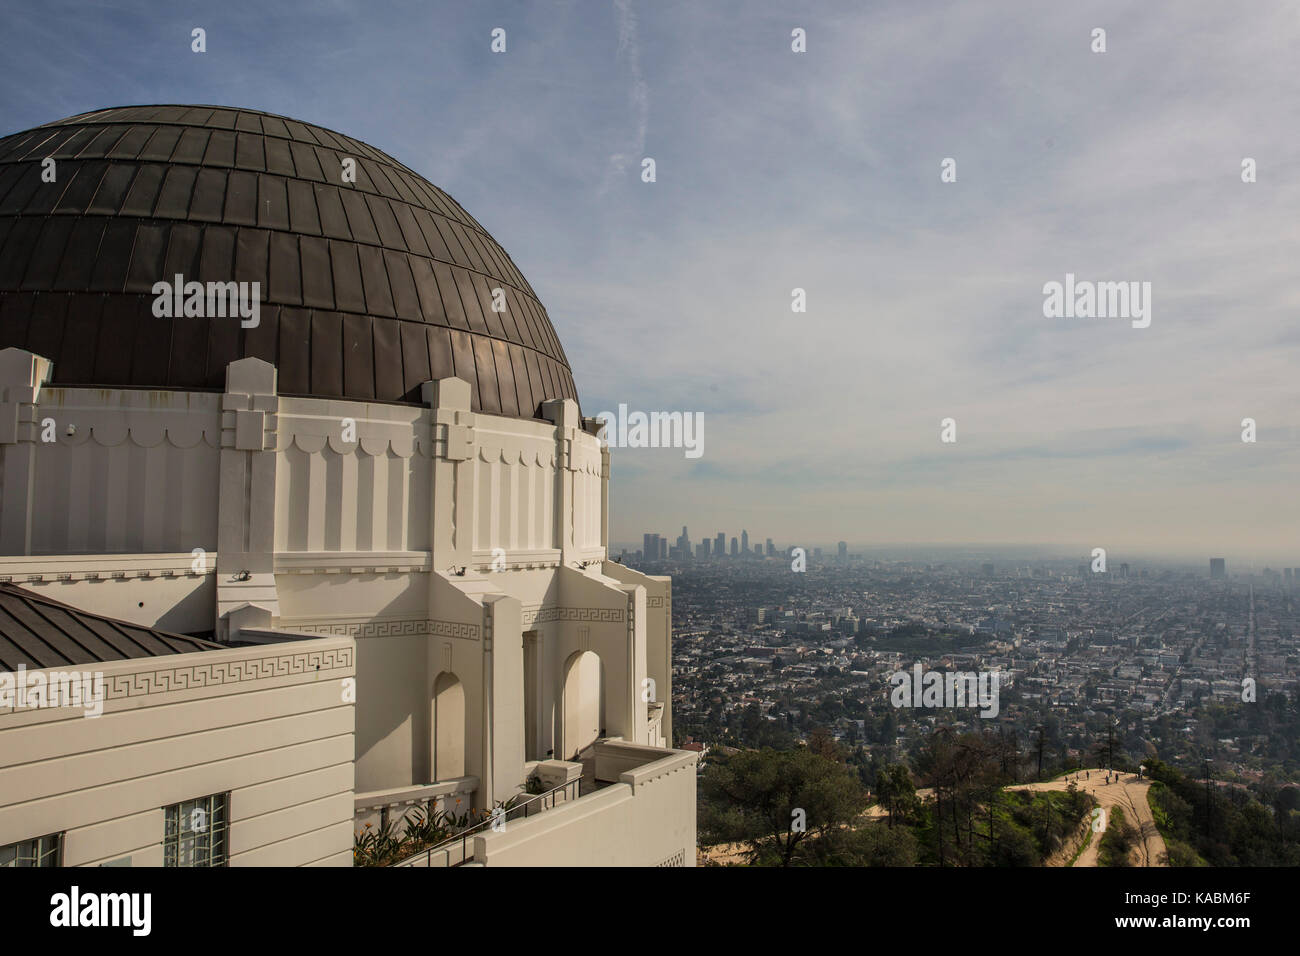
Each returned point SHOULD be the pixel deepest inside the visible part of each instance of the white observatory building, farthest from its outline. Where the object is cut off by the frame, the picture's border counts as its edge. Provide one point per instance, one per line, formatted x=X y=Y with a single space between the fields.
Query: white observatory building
x=333 y=564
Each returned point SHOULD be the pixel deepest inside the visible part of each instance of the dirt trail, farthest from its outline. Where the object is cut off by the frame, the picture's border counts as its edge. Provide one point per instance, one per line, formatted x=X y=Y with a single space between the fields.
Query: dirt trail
x=1128 y=793
x=1125 y=791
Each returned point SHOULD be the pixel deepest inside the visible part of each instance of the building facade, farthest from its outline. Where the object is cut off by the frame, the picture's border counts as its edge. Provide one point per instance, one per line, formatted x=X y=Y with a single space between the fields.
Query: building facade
x=391 y=463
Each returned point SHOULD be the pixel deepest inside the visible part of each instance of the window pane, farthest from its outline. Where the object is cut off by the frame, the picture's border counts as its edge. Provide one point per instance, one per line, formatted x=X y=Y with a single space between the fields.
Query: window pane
x=195 y=832
x=43 y=852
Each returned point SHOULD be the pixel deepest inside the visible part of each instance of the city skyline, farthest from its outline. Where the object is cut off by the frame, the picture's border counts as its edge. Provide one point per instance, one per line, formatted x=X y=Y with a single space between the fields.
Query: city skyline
x=1014 y=553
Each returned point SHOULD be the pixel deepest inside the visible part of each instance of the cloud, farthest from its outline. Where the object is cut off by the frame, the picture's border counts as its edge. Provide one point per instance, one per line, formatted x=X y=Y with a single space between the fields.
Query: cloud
x=820 y=171
x=638 y=95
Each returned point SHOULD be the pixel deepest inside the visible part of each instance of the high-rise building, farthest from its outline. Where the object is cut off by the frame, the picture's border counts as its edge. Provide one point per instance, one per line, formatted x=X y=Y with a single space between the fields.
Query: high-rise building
x=720 y=544
x=771 y=548
x=706 y=546
x=1218 y=569
x=744 y=541
x=735 y=546
x=650 y=546
x=663 y=547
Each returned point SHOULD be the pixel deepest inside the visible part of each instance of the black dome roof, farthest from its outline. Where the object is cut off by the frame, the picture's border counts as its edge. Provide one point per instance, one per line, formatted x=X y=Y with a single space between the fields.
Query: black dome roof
x=368 y=289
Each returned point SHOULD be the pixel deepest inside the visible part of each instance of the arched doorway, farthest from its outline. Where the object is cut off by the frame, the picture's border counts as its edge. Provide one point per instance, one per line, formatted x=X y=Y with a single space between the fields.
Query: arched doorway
x=584 y=702
x=448 y=731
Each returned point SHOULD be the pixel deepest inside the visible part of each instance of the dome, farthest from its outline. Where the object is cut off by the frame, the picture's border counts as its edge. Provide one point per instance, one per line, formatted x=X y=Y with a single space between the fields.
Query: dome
x=368 y=289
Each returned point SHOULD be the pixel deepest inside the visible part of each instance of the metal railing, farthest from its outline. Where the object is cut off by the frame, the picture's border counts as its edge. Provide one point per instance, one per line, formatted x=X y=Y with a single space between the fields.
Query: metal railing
x=536 y=803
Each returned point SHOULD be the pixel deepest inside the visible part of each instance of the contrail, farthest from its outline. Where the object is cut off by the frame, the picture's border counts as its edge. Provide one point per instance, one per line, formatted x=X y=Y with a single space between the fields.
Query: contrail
x=639 y=95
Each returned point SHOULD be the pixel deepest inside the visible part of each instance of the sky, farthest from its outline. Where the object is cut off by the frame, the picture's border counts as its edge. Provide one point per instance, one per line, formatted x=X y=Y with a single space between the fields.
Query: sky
x=821 y=170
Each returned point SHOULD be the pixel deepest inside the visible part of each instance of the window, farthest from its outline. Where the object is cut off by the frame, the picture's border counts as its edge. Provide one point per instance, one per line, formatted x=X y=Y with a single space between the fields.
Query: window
x=43 y=851
x=195 y=833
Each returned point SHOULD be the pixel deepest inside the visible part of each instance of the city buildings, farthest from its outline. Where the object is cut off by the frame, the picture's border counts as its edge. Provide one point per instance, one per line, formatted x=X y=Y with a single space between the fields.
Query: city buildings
x=762 y=660
x=340 y=563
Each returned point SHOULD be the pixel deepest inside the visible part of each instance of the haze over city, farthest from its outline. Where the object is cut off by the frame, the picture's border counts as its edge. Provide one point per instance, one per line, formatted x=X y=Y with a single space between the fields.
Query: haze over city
x=821 y=171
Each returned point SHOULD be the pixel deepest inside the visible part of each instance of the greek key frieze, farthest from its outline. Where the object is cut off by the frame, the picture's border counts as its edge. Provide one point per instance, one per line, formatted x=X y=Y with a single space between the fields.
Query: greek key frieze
x=218 y=673
x=536 y=614
x=371 y=627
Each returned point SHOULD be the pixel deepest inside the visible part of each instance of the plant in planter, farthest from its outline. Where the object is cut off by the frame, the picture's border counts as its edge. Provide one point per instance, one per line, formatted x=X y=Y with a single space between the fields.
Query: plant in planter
x=425 y=827
x=375 y=846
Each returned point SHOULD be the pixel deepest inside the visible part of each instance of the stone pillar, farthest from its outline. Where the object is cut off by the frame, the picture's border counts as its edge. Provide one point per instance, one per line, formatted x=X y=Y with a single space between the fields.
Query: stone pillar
x=246 y=516
x=638 y=709
x=22 y=374
x=503 y=675
x=665 y=660
x=604 y=499
x=452 y=511
x=563 y=413
x=487 y=778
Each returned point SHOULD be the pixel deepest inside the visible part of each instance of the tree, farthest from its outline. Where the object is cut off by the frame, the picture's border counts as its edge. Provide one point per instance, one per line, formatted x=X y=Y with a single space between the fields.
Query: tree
x=896 y=793
x=774 y=800
x=1118 y=840
x=870 y=844
x=821 y=743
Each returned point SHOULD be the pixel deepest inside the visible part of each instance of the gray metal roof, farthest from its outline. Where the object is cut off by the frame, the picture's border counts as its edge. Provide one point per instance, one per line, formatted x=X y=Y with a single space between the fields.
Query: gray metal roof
x=368 y=289
x=36 y=631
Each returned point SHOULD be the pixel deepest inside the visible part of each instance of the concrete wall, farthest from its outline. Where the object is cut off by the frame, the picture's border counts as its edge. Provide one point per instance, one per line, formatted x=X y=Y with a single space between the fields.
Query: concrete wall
x=267 y=724
x=454 y=796
x=137 y=473
x=154 y=590
x=392 y=729
x=363 y=489
x=658 y=639
x=647 y=818
x=433 y=537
